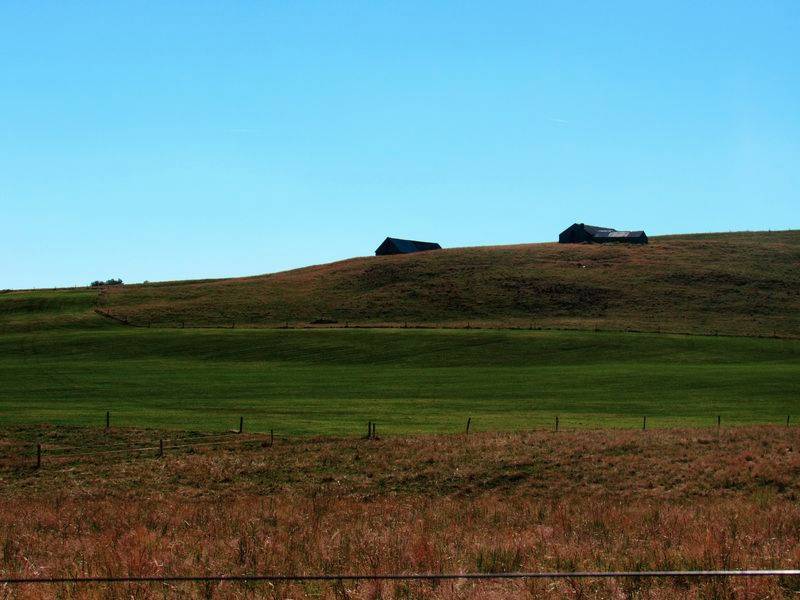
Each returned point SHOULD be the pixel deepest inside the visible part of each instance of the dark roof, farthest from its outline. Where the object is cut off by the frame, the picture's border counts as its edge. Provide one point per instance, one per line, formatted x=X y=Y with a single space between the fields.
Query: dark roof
x=407 y=246
x=413 y=245
x=594 y=229
x=613 y=233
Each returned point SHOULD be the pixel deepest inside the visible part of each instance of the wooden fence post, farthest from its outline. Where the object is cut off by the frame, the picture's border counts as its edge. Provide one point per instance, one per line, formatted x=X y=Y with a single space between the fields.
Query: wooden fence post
x=469 y=420
x=161 y=448
x=719 y=420
x=38 y=455
x=556 y=423
x=241 y=424
x=787 y=420
x=644 y=423
x=108 y=419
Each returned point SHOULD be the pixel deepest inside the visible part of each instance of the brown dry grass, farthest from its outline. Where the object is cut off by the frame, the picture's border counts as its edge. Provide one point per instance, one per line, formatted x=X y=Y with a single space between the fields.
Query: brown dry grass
x=491 y=502
x=739 y=283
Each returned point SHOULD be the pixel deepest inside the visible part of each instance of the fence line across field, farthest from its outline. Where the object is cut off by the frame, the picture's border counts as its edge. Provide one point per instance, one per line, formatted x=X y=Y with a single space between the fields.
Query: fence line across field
x=232 y=437
x=406 y=576
x=558 y=420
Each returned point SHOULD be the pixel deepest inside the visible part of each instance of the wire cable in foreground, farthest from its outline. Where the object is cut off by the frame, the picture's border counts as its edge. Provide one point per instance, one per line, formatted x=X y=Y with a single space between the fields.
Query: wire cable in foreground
x=406 y=576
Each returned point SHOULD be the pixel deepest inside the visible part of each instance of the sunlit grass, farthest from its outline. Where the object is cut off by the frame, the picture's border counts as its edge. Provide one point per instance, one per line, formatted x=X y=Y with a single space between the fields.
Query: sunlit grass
x=334 y=381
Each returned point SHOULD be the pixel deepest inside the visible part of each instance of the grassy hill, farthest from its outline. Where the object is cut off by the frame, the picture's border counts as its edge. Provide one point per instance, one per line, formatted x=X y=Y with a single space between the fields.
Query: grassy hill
x=60 y=362
x=739 y=283
x=734 y=283
x=45 y=309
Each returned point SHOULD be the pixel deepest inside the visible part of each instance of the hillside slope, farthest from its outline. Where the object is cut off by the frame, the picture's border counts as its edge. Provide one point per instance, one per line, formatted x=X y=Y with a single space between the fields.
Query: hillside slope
x=737 y=283
x=734 y=283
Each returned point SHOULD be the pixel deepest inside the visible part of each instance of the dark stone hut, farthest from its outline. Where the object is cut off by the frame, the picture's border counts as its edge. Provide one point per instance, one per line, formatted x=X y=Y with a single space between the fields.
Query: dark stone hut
x=578 y=233
x=398 y=246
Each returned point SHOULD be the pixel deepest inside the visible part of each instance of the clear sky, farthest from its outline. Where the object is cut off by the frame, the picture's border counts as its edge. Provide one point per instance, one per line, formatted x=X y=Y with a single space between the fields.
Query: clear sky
x=172 y=140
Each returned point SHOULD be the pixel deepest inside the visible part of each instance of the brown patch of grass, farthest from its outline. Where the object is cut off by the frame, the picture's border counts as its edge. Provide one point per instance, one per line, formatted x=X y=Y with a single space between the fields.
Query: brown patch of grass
x=741 y=283
x=658 y=464
x=536 y=501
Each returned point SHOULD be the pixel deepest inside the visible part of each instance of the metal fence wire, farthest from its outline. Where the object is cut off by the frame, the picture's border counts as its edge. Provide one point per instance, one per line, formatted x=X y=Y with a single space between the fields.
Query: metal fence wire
x=407 y=576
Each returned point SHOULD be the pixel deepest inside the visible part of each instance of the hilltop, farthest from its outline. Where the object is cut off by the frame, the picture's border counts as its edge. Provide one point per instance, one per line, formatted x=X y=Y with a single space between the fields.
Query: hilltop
x=729 y=283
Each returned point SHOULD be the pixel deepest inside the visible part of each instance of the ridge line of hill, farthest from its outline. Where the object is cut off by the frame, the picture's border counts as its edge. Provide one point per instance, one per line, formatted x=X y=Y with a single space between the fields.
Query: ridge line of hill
x=745 y=283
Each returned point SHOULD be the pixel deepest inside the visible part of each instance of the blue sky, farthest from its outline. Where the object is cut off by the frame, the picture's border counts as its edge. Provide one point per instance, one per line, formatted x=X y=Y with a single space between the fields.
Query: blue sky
x=158 y=140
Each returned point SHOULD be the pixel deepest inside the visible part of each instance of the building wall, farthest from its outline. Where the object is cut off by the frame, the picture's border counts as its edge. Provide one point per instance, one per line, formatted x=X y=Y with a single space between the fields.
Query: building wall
x=574 y=235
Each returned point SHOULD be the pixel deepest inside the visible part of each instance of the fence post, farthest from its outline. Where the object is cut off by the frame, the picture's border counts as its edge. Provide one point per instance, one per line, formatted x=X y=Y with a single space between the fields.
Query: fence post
x=787 y=420
x=241 y=424
x=271 y=437
x=108 y=419
x=38 y=455
x=161 y=448
x=719 y=420
x=644 y=423
x=469 y=420
x=556 y=423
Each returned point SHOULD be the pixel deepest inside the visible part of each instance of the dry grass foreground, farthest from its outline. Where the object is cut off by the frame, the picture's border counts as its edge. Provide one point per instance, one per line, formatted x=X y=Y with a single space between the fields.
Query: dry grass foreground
x=740 y=283
x=535 y=501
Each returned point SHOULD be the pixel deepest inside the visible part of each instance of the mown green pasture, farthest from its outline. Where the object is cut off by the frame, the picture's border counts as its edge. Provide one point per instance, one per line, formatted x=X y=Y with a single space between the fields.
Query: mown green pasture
x=333 y=381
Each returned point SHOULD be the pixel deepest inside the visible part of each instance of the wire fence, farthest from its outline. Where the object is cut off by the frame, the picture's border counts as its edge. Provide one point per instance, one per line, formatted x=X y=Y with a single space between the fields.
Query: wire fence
x=15 y=453
x=406 y=576
x=235 y=438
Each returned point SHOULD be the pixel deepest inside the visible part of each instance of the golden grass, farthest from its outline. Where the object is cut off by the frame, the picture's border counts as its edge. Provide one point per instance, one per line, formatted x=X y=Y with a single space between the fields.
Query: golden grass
x=538 y=501
x=740 y=283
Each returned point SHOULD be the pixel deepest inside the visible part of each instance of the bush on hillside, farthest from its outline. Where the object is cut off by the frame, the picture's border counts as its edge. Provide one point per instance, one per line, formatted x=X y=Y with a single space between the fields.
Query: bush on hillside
x=98 y=283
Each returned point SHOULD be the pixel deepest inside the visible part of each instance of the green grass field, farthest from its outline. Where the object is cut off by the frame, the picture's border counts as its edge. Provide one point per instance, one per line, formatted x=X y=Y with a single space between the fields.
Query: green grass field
x=334 y=381
x=62 y=363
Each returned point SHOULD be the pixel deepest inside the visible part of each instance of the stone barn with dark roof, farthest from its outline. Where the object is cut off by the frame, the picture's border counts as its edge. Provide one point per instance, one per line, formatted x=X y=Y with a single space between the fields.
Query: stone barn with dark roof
x=578 y=233
x=398 y=246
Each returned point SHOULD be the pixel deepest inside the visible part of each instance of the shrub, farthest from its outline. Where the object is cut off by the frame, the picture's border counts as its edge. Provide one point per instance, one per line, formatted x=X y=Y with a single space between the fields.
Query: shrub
x=99 y=283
